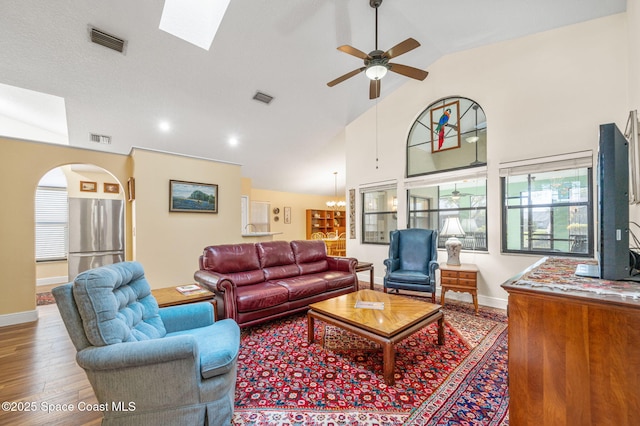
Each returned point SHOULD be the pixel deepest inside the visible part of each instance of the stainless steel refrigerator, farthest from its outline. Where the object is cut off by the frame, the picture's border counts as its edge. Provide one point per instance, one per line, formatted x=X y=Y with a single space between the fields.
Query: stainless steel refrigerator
x=96 y=233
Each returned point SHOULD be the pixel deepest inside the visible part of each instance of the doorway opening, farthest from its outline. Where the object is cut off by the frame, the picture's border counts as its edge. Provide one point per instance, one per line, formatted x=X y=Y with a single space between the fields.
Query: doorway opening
x=69 y=200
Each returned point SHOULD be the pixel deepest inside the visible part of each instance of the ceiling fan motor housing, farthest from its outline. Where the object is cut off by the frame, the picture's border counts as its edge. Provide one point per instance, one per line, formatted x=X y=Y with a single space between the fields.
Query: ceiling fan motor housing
x=376 y=58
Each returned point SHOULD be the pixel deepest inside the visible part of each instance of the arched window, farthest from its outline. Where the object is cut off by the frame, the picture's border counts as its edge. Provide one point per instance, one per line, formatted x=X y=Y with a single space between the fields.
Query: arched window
x=450 y=134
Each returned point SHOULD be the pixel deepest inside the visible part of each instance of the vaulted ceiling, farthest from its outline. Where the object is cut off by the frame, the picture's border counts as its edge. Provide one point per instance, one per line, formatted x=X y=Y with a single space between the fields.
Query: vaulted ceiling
x=284 y=48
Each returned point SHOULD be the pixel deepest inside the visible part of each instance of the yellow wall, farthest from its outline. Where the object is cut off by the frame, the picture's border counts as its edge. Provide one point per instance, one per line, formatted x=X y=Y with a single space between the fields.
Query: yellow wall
x=299 y=203
x=22 y=164
x=52 y=271
x=168 y=244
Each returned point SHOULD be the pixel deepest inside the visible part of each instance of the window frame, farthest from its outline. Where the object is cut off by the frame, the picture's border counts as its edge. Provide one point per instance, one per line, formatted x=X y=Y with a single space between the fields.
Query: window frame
x=435 y=209
x=529 y=207
x=375 y=213
x=479 y=130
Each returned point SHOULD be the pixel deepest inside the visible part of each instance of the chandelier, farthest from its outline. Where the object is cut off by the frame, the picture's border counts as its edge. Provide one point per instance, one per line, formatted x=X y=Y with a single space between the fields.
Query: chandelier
x=335 y=204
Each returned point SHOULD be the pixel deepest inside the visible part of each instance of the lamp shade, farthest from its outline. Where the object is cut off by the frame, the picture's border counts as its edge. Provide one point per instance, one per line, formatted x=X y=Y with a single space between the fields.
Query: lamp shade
x=452 y=226
x=376 y=72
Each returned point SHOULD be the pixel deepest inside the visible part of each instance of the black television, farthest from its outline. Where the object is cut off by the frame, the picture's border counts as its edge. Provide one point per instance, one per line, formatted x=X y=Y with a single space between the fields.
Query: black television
x=613 y=209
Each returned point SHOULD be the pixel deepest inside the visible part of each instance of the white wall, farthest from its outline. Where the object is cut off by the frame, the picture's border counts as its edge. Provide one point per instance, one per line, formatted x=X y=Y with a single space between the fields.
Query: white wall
x=543 y=94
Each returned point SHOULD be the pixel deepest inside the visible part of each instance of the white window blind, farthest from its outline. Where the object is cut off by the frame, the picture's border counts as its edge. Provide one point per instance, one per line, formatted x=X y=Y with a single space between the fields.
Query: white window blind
x=51 y=223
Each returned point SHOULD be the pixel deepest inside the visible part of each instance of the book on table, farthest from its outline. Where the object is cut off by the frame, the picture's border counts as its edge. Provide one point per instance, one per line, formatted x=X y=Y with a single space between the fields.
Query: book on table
x=190 y=289
x=363 y=304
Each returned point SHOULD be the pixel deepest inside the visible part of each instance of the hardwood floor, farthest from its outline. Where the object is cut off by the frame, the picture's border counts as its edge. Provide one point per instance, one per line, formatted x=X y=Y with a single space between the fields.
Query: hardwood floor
x=38 y=367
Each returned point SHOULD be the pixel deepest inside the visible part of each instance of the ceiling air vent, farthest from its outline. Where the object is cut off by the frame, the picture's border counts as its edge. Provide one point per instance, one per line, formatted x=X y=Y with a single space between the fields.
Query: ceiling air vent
x=107 y=40
x=103 y=139
x=263 y=97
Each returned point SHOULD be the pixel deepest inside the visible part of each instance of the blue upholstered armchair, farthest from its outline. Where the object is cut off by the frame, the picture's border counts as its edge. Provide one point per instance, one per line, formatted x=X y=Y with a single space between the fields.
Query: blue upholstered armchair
x=149 y=366
x=412 y=261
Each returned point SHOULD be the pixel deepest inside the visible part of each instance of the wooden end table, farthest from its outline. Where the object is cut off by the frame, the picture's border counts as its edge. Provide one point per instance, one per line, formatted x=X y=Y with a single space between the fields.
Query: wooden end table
x=399 y=318
x=462 y=278
x=170 y=296
x=366 y=266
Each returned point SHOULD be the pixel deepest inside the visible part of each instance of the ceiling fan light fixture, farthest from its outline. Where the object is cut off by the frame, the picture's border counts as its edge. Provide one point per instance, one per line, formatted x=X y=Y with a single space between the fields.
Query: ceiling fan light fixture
x=376 y=71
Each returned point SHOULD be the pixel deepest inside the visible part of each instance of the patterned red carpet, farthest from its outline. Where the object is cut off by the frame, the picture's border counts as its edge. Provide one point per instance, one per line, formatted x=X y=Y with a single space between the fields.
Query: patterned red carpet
x=45 y=298
x=284 y=380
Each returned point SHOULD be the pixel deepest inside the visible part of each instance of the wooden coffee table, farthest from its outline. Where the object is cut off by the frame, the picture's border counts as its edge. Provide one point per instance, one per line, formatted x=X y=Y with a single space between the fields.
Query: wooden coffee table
x=399 y=319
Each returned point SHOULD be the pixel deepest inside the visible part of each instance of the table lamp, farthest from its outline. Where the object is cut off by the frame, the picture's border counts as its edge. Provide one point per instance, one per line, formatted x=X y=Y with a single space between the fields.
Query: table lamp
x=453 y=228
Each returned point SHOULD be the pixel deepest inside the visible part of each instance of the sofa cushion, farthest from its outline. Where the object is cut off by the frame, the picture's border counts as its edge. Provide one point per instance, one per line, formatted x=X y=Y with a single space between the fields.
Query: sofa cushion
x=337 y=279
x=218 y=346
x=239 y=261
x=277 y=260
x=303 y=286
x=260 y=296
x=311 y=256
x=116 y=305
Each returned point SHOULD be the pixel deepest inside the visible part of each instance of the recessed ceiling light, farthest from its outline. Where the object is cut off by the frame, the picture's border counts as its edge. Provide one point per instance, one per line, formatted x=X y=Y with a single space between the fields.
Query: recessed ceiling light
x=165 y=126
x=233 y=141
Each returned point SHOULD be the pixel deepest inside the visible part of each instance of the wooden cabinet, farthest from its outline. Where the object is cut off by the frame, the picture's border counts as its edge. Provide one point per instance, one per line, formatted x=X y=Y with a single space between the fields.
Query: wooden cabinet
x=325 y=221
x=574 y=356
x=463 y=278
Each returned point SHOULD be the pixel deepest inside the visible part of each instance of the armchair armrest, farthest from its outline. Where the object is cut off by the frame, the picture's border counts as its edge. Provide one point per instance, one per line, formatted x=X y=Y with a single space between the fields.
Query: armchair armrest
x=186 y=317
x=433 y=265
x=392 y=264
x=136 y=354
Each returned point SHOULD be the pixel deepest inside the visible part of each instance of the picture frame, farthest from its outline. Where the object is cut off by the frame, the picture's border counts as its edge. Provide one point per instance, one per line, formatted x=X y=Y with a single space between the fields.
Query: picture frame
x=111 y=188
x=87 y=186
x=287 y=215
x=444 y=138
x=131 y=187
x=193 y=197
x=352 y=214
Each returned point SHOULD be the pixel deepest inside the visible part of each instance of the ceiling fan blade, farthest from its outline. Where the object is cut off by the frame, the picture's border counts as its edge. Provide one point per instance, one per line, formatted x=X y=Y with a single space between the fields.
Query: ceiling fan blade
x=354 y=52
x=344 y=77
x=374 y=89
x=400 y=48
x=408 y=71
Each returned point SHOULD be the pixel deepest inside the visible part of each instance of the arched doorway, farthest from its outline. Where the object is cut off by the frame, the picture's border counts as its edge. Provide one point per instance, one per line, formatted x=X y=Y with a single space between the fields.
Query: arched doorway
x=71 y=201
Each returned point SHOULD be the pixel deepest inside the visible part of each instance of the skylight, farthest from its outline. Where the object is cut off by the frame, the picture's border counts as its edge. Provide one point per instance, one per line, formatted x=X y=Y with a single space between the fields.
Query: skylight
x=195 y=21
x=26 y=114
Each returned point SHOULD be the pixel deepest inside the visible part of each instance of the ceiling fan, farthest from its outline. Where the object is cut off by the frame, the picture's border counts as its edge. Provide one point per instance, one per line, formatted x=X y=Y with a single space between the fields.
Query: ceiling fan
x=376 y=63
x=455 y=194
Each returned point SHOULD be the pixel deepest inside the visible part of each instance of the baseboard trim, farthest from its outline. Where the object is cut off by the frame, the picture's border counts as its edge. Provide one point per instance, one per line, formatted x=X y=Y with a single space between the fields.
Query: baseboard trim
x=63 y=279
x=18 y=318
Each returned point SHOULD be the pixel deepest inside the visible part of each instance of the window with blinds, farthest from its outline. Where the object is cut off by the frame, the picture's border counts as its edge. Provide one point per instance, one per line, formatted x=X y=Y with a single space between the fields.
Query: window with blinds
x=51 y=223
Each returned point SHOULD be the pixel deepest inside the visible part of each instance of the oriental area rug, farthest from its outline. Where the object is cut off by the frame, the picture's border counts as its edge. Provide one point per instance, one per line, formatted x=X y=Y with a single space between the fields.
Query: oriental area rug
x=337 y=380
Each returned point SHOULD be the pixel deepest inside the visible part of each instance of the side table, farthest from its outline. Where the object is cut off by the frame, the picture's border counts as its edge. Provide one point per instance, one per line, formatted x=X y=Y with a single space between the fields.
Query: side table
x=462 y=278
x=366 y=266
x=170 y=296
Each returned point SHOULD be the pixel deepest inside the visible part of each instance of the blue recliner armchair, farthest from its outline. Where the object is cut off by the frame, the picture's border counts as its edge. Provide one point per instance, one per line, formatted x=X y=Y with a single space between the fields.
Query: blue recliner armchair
x=412 y=261
x=149 y=366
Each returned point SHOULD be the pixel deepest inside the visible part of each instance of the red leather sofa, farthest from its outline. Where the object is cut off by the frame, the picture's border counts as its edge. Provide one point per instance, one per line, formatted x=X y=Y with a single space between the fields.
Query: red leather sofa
x=258 y=282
